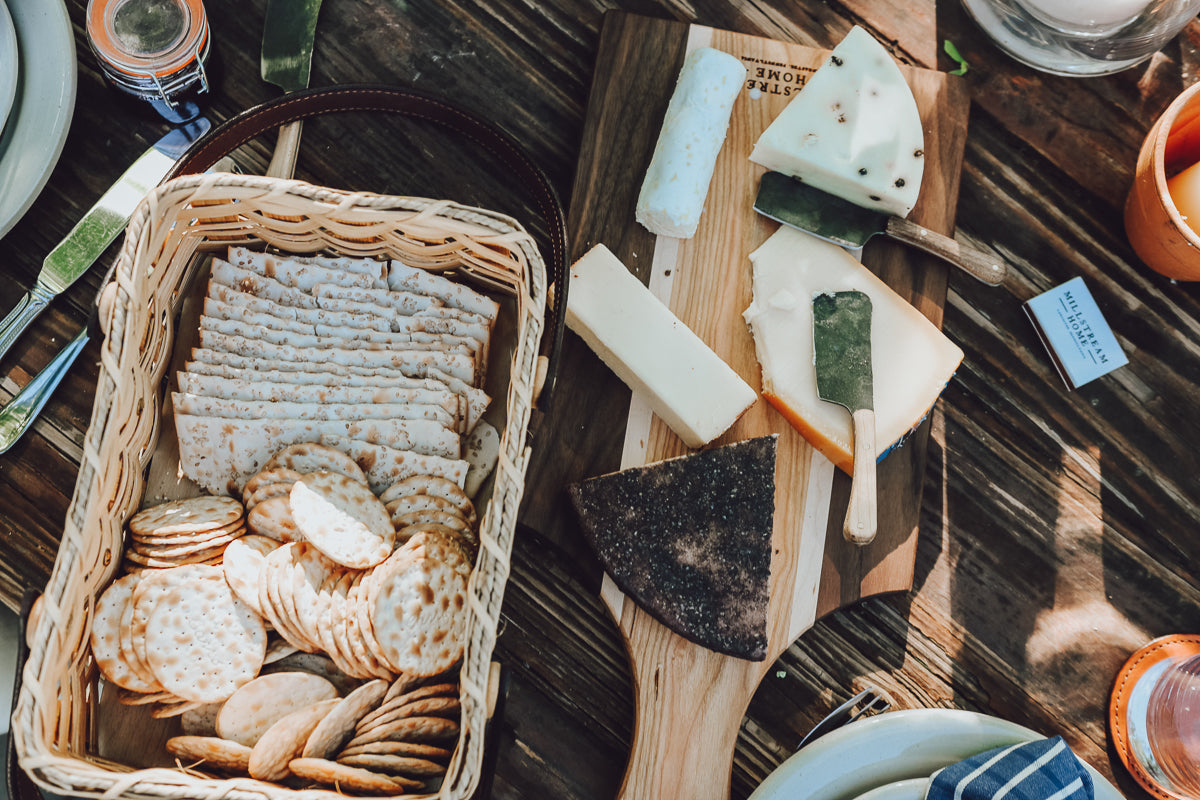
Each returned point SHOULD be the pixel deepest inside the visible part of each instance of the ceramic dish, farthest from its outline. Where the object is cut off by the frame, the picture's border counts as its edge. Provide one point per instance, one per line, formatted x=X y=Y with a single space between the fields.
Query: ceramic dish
x=8 y=63
x=911 y=789
x=895 y=746
x=36 y=129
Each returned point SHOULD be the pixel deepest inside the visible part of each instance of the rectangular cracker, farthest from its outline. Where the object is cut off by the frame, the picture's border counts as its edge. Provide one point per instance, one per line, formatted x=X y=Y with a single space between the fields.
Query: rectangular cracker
x=222 y=454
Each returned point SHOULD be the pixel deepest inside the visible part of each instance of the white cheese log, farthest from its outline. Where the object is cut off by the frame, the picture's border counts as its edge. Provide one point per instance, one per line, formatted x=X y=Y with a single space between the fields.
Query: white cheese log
x=676 y=182
x=685 y=383
x=911 y=359
x=853 y=130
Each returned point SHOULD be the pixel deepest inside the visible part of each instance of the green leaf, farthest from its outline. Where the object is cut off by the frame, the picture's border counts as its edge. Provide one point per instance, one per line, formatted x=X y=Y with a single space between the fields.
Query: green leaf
x=952 y=51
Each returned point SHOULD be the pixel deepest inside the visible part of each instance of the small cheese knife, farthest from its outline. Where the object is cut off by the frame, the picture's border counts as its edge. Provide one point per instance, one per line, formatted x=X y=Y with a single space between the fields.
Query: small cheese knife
x=795 y=203
x=99 y=226
x=842 y=357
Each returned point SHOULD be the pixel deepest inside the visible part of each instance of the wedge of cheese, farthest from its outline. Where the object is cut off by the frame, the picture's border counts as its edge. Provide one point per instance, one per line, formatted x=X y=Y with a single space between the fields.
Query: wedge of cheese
x=685 y=383
x=853 y=130
x=676 y=183
x=912 y=360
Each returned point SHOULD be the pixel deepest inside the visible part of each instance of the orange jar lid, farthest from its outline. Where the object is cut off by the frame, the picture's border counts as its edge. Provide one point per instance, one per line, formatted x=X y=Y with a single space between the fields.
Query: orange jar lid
x=148 y=38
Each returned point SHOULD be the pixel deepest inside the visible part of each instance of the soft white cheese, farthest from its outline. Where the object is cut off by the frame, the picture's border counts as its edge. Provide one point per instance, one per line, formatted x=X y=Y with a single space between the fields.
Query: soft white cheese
x=676 y=183
x=911 y=359
x=685 y=383
x=853 y=130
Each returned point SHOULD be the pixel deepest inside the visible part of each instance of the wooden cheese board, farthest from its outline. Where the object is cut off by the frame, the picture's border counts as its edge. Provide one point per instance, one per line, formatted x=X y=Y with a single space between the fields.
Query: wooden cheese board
x=690 y=701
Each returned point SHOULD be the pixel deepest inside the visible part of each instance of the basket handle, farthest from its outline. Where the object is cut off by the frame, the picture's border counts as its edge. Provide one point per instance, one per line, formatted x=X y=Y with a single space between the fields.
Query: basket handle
x=251 y=123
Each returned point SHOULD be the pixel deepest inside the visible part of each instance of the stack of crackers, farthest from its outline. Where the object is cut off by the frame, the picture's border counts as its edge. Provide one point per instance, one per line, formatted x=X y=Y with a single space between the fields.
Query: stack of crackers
x=222 y=594
x=305 y=618
x=383 y=737
x=381 y=360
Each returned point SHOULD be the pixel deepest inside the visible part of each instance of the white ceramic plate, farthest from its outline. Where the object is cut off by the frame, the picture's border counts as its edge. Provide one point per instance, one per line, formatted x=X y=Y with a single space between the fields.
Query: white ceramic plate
x=8 y=63
x=895 y=746
x=36 y=129
x=911 y=789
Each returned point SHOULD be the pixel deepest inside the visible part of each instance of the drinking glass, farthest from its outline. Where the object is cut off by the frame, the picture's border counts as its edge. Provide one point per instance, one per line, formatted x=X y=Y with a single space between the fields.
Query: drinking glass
x=1173 y=727
x=1081 y=37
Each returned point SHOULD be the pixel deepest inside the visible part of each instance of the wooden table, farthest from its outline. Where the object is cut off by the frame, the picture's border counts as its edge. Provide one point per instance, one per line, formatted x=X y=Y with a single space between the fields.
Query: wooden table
x=1056 y=528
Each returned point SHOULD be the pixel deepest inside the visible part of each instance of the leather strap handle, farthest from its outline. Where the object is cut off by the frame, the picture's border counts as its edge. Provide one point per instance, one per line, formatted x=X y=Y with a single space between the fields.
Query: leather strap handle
x=253 y=122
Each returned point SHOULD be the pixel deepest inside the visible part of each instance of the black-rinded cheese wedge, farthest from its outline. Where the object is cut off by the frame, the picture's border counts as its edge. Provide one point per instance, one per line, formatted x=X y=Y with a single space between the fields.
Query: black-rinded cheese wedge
x=689 y=539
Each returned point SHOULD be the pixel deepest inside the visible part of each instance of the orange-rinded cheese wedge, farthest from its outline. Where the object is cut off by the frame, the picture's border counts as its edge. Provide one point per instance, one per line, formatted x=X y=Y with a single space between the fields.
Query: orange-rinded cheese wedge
x=911 y=359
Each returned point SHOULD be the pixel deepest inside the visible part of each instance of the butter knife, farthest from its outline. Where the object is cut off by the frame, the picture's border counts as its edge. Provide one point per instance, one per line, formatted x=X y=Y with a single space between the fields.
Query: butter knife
x=98 y=228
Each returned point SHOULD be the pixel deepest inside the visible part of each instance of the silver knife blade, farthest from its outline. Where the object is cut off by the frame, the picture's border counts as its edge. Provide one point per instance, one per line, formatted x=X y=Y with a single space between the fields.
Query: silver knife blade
x=98 y=228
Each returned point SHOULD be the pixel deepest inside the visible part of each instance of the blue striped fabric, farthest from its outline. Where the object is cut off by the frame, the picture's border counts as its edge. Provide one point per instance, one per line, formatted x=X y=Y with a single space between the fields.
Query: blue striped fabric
x=1041 y=770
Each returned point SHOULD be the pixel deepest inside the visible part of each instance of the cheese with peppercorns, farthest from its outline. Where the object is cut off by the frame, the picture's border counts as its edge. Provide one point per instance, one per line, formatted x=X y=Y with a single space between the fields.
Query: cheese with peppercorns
x=853 y=130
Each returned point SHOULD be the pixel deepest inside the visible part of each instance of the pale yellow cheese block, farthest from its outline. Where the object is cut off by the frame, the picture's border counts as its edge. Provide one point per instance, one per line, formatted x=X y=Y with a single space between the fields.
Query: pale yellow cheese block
x=686 y=384
x=912 y=359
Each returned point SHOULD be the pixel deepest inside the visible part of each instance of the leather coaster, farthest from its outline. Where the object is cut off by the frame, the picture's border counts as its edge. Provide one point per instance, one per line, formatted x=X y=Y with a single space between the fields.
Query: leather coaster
x=1124 y=688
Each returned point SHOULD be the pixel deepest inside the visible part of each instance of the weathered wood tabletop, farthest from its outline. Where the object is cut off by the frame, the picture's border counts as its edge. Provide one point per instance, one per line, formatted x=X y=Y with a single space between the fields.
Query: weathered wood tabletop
x=1056 y=529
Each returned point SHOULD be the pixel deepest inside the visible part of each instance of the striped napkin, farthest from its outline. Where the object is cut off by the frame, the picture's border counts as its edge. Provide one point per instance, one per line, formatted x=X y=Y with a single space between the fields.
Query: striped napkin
x=1041 y=770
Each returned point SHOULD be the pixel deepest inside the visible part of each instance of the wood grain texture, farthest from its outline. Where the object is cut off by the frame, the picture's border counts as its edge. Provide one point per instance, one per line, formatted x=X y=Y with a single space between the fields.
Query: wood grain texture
x=1056 y=529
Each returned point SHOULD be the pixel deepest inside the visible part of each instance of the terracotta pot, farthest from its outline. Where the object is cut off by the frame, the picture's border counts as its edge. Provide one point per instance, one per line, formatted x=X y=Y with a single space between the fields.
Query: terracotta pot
x=1157 y=231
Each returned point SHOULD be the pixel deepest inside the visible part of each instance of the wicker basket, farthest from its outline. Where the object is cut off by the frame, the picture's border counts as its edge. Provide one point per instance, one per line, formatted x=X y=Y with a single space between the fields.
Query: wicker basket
x=60 y=725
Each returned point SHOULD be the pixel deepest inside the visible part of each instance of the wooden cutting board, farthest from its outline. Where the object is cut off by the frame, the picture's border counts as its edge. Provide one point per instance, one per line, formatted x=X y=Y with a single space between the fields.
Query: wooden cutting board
x=690 y=701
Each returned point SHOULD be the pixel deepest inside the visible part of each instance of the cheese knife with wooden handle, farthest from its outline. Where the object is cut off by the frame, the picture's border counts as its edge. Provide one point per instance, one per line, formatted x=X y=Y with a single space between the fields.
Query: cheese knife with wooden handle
x=842 y=358
x=794 y=203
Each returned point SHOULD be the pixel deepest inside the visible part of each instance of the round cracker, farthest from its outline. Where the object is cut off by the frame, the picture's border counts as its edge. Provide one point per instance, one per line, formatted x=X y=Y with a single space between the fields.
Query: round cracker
x=422 y=502
x=242 y=564
x=312 y=457
x=202 y=642
x=262 y=702
x=434 y=485
x=344 y=777
x=189 y=515
x=209 y=751
x=273 y=518
x=285 y=740
x=412 y=749
x=416 y=607
x=266 y=477
x=409 y=729
x=452 y=520
x=338 y=726
x=267 y=491
x=390 y=704
x=343 y=519
x=408 y=766
x=114 y=661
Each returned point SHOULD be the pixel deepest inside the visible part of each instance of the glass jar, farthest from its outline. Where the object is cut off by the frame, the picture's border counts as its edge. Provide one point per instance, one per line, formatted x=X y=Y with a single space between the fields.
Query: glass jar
x=154 y=50
x=1081 y=37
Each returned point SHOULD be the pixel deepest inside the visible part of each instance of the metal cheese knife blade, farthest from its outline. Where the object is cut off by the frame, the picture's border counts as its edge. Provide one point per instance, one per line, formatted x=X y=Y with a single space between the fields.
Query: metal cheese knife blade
x=287 y=45
x=795 y=203
x=99 y=226
x=842 y=357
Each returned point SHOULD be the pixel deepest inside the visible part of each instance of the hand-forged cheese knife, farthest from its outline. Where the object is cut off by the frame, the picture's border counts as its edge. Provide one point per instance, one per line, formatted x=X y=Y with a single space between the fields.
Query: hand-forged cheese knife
x=795 y=203
x=287 y=46
x=842 y=357
x=99 y=226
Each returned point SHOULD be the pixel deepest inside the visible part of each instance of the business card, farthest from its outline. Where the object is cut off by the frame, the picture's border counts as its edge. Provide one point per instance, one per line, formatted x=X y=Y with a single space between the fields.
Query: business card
x=1079 y=341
